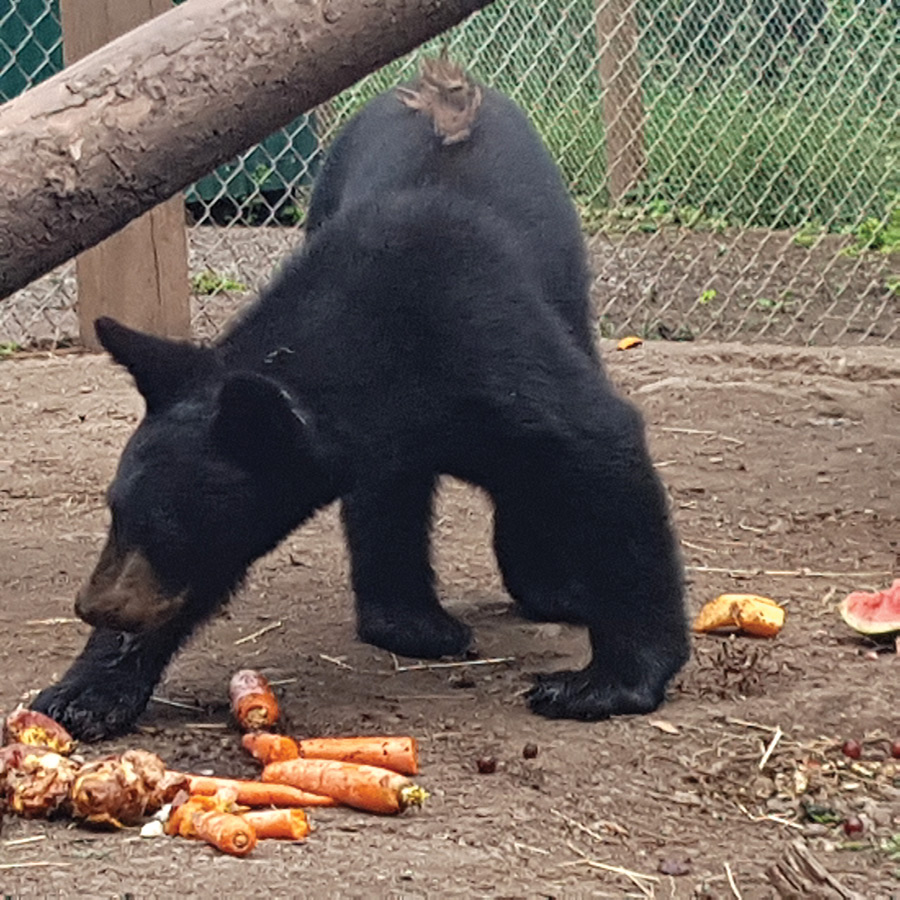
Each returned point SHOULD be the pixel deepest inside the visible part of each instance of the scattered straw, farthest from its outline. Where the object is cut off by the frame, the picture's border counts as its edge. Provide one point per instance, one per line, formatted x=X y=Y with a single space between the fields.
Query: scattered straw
x=787 y=573
x=18 y=842
x=32 y=865
x=636 y=878
x=577 y=825
x=258 y=634
x=56 y=620
x=731 y=720
x=770 y=749
x=462 y=664
x=672 y=430
x=778 y=820
x=176 y=703
x=337 y=661
x=520 y=846
x=693 y=546
x=731 y=882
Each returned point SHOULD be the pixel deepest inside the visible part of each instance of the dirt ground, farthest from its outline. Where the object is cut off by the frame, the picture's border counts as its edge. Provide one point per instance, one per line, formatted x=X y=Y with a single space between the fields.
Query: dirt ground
x=782 y=465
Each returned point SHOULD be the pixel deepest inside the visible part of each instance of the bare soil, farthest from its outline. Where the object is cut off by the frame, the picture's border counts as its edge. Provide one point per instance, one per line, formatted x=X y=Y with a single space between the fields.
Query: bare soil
x=673 y=283
x=782 y=466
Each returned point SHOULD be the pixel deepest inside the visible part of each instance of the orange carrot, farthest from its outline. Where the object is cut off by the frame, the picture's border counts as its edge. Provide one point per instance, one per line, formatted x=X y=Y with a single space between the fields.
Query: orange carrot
x=399 y=754
x=288 y=824
x=364 y=787
x=267 y=747
x=181 y=819
x=255 y=793
x=225 y=831
x=252 y=700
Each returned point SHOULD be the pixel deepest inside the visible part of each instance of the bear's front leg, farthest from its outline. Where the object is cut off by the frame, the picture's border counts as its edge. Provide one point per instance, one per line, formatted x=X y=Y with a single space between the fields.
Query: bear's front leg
x=388 y=533
x=108 y=686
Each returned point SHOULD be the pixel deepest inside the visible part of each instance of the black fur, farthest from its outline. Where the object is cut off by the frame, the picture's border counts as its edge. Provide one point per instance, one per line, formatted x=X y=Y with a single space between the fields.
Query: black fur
x=435 y=322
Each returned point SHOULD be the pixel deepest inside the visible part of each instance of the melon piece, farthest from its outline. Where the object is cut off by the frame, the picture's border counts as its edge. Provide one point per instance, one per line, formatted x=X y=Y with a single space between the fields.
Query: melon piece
x=750 y=613
x=877 y=613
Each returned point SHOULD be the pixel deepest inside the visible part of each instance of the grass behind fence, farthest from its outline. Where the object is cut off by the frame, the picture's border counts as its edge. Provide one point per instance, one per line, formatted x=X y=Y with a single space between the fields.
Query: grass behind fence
x=770 y=134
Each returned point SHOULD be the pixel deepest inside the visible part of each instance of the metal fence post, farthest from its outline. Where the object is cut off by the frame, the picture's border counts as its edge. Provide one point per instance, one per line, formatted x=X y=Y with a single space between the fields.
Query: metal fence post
x=139 y=275
x=623 y=107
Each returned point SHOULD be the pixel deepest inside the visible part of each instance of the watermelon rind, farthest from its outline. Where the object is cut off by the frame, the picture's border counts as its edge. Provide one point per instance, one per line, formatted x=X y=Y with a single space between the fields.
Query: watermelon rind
x=873 y=614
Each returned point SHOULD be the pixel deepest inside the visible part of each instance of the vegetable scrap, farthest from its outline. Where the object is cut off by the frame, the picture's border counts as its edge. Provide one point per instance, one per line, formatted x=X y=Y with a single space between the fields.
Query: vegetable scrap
x=210 y=819
x=253 y=701
x=283 y=824
x=267 y=747
x=229 y=814
x=256 y=793
x=873 y=614
x=397 y=753
x=28 y=726
x=749 y=613
x=122 y=790
x=35 y=780
x=363 y=787
x=629 y=343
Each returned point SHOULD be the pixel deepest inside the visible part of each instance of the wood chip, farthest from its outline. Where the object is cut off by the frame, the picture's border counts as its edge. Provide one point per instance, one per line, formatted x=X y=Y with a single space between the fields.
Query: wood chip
x=799 y=874
x=663 y=725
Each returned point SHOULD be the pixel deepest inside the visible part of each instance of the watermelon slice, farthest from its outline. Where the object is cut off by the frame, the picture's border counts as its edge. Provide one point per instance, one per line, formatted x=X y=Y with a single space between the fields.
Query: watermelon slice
x=877 y=613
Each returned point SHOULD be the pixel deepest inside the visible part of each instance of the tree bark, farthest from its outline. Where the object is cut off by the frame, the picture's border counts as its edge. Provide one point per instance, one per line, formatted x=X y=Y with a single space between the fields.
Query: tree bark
x=128 y=126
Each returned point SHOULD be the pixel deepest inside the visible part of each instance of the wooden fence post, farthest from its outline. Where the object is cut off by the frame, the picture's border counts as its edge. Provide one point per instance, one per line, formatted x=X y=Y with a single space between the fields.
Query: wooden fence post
x=623 y=105
x=140 y=274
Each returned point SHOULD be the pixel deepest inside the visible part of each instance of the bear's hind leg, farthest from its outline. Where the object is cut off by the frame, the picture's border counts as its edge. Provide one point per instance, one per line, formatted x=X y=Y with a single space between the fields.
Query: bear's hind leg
x=388 y=533
x=627 y=588
x=535 y=571
x=583 y=535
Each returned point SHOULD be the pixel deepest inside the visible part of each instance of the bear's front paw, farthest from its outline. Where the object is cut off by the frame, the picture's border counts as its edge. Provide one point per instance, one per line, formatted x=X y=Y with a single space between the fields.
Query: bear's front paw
x=582 y=695
x=93 y=710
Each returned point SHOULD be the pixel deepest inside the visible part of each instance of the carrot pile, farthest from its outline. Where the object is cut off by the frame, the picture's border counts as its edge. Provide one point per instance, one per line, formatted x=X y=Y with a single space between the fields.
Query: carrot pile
x=368 y=773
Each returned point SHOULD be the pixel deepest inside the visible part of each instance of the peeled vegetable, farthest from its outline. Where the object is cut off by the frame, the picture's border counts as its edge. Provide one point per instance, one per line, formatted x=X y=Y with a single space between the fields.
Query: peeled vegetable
x=749 y=613
x=873 y=614
x=28 y=726
x=35 y=781
x=121 y=790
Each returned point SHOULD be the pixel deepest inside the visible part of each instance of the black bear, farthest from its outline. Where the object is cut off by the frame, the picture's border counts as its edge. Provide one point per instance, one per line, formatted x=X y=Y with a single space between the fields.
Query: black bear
x=434 y=322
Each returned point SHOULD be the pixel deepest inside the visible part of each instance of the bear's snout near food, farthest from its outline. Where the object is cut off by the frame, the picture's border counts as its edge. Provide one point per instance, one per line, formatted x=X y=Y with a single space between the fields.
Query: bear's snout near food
x=124 y=594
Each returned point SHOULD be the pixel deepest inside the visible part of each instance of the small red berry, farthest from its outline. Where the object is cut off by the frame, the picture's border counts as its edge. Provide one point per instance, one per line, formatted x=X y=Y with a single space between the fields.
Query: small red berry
x=853 y=825
x=852 y=748
x=530 y=751
x=895 y=749
x=486 y=765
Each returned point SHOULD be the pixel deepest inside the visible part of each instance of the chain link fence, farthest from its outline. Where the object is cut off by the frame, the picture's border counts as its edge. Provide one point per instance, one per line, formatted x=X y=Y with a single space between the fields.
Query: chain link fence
x=736 y=163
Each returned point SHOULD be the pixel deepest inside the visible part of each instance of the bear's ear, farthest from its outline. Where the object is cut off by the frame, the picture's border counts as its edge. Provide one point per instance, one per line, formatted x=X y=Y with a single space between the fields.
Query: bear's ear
x=160 y=367
x=259 y=425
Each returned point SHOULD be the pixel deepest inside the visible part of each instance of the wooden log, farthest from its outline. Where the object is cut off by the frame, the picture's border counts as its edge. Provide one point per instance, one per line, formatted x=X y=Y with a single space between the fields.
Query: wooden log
x=140 y=274
x=85 y=152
